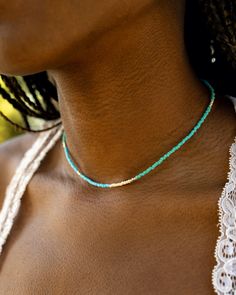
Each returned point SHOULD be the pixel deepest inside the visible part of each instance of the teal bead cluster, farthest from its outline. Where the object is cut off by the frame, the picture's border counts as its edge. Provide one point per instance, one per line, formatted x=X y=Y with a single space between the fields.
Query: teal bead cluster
x=154 y=165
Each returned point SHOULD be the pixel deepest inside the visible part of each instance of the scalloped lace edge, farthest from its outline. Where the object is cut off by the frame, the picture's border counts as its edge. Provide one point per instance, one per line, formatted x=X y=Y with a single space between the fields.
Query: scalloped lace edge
x=222 y=227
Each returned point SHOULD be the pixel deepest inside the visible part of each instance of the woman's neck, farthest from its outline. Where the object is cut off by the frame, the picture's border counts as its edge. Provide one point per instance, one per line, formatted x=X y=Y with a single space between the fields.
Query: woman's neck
x=129 y=98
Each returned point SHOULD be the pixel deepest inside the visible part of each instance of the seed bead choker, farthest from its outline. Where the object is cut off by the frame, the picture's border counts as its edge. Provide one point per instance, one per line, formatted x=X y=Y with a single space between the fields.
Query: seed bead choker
x=154 y=165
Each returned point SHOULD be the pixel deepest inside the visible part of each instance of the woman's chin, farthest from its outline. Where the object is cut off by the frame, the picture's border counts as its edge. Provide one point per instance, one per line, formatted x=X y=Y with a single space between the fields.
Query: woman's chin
x=28 y=63
x=21 y=60
x=8 y=71
x=11 y=67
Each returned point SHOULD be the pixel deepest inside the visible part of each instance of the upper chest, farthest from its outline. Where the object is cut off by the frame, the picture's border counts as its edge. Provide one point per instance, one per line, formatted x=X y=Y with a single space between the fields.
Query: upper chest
x=160 y=244
x=156 y=243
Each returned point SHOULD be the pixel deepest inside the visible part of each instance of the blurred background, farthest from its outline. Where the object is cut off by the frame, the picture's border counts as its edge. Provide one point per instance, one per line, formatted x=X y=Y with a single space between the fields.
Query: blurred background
x=6 y=129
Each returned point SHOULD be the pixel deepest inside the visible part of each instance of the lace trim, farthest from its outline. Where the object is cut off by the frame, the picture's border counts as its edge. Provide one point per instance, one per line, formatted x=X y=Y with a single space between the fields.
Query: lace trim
x=224 y=272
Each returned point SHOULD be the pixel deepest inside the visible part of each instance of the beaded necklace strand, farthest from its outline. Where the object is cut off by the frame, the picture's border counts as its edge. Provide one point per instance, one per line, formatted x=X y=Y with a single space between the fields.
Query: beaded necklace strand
x=154 y=165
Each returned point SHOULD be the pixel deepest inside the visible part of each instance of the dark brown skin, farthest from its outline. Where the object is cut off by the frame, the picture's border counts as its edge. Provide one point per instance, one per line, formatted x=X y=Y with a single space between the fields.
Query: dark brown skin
x=127 y=95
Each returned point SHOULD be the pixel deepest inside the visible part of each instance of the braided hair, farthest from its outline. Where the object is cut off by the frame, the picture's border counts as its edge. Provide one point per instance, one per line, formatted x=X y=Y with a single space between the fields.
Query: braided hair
x=206 y=21
x=210 y=22
x=33 y=96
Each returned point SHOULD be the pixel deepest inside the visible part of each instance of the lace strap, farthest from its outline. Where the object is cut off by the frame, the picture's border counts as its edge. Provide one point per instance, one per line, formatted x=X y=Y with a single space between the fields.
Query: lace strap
x=224 y=272
x=21 y=178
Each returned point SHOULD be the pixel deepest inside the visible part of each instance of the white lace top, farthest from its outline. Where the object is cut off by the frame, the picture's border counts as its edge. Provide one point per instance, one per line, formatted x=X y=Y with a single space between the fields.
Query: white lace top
x=224 y=272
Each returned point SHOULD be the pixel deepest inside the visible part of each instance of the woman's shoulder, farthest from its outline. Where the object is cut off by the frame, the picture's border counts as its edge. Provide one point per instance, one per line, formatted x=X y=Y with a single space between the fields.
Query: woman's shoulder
x=18 y=143
x=11 y=153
